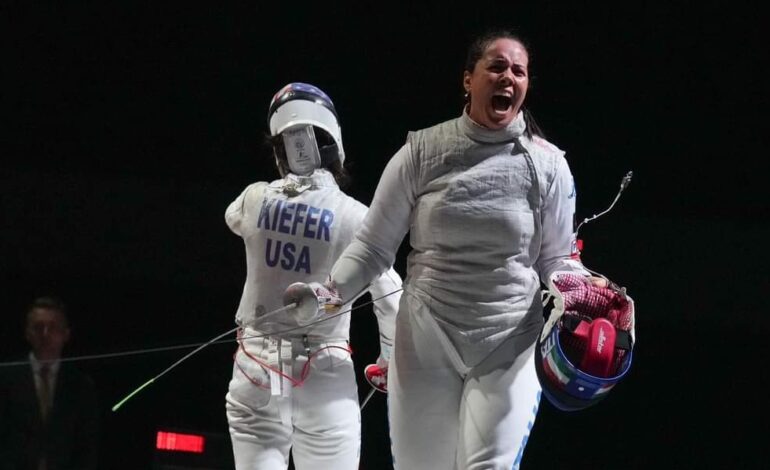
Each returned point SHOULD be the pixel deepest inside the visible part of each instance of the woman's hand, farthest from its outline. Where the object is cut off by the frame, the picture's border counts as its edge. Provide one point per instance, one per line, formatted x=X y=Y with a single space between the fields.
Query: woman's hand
x=598 y=281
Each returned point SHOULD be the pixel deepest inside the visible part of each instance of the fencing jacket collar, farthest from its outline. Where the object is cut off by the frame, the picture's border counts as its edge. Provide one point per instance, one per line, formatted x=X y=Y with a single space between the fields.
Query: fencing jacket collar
x=479 y=133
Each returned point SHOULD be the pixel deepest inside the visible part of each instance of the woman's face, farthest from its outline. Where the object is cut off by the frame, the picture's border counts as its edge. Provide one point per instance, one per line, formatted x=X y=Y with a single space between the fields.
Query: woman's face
x=498 y=84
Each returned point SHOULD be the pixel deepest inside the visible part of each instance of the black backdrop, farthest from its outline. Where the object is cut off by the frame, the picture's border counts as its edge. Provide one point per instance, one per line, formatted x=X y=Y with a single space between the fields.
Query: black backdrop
x=129 y=126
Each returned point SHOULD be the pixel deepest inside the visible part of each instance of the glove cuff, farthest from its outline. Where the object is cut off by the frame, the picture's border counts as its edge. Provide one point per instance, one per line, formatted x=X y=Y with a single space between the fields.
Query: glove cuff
x=385 y=350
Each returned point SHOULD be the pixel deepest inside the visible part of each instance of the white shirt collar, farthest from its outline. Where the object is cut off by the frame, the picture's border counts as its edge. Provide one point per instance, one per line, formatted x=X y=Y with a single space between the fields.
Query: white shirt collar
x=37 y=364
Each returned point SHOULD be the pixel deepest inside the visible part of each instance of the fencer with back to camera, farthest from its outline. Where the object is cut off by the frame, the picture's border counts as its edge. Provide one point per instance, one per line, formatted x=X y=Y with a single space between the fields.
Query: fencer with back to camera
x=293 y=387
x=489 y=206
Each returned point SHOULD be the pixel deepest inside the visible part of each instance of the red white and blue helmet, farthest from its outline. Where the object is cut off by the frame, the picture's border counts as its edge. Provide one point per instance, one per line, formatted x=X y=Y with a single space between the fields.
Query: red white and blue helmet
x=299 y=105
x=586 y=345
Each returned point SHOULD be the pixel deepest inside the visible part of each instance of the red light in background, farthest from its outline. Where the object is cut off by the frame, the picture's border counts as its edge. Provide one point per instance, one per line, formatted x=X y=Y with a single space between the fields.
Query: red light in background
x=180 y=442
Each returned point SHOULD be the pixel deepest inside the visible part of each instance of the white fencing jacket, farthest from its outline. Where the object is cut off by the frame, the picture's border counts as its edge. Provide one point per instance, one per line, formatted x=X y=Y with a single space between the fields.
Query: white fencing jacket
x=294 y=229
x=489 y=212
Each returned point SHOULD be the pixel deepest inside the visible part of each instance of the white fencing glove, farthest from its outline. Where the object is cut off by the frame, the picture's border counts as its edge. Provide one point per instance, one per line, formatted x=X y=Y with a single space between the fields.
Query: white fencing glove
x=377 y=374
x=311 y=300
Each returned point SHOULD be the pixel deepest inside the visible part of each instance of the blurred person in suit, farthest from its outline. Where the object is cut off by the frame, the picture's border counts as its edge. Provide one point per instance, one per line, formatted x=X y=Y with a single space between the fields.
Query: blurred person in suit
x=48 y=408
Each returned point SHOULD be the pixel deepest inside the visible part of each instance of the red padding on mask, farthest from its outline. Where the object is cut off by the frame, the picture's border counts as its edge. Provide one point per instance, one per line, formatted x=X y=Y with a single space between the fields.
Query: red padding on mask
x=600 y=352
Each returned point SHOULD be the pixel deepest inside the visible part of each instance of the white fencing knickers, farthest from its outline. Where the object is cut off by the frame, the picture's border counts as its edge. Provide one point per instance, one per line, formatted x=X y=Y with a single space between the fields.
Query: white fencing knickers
x=278 y=402
x=442 y=418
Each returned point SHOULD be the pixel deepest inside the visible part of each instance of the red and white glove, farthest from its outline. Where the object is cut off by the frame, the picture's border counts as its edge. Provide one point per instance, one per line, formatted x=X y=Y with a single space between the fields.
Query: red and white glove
x=377 y=375
x=329 y=299
x=583 y=296
x=597 y=313
x=311 y=300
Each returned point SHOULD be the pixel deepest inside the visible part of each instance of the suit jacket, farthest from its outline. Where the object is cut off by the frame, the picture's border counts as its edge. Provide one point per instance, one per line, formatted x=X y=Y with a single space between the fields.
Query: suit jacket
x=69 y=436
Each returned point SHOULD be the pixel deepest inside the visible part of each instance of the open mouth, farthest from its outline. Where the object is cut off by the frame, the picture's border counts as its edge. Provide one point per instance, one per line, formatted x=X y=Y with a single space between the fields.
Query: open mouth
x=501 y=103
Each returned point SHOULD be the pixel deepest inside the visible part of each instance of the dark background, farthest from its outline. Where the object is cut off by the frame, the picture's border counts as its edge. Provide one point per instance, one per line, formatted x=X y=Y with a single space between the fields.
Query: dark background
x=127 y=128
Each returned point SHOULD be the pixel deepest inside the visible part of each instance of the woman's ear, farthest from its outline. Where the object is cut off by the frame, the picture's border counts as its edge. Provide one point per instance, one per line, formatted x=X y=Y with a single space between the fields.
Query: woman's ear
x=467 y=81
